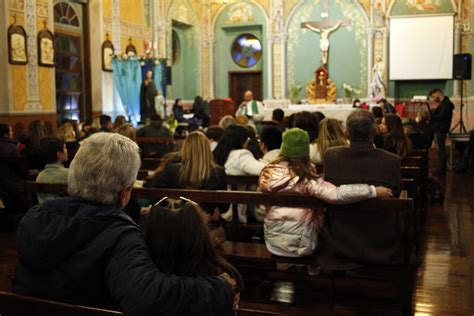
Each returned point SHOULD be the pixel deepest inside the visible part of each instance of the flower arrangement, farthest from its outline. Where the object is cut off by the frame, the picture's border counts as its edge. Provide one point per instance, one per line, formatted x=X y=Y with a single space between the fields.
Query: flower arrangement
x=349 y=89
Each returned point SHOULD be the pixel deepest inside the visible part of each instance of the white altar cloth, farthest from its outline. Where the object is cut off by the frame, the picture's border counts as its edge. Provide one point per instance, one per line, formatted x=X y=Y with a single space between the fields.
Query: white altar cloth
x=336 y=111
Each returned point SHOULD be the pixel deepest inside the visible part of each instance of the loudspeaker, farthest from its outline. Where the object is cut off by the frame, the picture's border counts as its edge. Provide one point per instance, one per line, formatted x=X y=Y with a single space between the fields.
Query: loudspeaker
x=169 y=79
x=462 y=66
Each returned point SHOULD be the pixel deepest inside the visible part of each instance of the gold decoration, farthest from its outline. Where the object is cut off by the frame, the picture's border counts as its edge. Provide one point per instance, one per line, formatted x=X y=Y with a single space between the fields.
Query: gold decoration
x=311 y=93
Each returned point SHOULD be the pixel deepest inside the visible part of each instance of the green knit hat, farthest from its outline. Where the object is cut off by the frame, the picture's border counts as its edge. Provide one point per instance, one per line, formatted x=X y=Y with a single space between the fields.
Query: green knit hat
x=295 y=143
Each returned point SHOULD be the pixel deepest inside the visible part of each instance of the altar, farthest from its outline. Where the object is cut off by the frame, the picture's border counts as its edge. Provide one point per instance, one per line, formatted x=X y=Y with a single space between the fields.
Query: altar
x=336 y=111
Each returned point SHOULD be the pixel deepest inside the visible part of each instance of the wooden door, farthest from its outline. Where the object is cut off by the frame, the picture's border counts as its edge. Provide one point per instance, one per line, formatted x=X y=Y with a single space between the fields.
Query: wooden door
x=241 y=81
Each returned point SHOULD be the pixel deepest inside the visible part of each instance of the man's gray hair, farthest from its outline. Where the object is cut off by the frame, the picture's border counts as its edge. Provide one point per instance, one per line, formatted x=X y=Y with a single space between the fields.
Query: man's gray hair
x=105 y=164
x=360 y=125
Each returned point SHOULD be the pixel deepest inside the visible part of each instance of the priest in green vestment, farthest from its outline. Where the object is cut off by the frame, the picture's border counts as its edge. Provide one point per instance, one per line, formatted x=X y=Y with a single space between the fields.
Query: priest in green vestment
x=251 y=108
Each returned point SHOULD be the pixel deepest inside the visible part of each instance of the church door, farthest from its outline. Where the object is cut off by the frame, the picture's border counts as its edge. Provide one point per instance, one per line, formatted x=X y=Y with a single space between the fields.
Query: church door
x=241 y=81
x=69 y=52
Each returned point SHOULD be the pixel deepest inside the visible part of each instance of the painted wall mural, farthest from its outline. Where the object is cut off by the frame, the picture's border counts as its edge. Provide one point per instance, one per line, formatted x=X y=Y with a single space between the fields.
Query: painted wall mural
x=410 y=7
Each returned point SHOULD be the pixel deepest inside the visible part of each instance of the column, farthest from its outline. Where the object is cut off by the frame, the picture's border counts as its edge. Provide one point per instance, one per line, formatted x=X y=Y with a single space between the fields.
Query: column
x=33 y=99
x=6 y=88
x=370 y=56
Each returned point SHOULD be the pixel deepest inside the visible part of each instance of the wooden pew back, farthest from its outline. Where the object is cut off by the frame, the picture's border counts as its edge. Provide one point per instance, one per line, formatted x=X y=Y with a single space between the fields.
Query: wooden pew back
x=18 y=305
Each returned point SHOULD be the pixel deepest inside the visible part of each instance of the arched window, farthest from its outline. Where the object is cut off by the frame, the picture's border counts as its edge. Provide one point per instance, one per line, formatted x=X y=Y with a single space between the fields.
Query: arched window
x=65 y=14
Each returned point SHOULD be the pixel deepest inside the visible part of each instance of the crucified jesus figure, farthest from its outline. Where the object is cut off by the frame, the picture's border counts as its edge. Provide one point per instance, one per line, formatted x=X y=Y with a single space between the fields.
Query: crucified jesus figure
x=324 y=42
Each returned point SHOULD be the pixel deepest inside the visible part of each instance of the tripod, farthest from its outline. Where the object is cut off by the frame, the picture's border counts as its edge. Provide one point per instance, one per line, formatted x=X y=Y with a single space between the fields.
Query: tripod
x=460 y=124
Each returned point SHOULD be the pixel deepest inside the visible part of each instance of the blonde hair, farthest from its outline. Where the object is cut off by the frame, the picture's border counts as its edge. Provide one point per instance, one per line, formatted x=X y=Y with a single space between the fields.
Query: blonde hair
x=242 y=120
x=330 y=135
x=127 y=130
x=197 y=160
x=227 y=121
x=66 y=133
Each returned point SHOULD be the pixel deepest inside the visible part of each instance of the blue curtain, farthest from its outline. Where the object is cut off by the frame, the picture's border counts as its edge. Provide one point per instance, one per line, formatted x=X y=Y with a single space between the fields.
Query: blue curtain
x=127 y=81
x=158 y=73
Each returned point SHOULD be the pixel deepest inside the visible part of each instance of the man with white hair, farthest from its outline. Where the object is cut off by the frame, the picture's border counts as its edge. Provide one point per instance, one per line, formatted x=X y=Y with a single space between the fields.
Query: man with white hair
x=83 y=249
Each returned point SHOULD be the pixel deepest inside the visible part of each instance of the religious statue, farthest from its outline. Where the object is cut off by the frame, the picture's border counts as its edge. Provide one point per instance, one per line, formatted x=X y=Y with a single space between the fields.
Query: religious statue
x=324 y=42
x=378 y=88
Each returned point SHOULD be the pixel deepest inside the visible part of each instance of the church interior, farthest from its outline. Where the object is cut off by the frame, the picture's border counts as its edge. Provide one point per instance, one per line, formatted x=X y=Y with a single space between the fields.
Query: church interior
x=287 y=157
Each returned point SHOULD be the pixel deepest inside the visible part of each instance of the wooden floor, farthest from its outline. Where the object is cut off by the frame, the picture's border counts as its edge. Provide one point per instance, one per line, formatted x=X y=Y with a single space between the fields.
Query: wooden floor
x=445 y=278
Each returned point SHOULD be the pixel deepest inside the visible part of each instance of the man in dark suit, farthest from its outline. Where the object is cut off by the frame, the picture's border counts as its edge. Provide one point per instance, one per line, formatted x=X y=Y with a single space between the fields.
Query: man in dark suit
x=441 y=122
x=351 y=240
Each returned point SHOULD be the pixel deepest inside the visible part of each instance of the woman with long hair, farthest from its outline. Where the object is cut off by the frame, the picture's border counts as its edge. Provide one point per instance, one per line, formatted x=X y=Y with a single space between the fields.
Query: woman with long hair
x=32 y=149
x=331 y=134
x=179 y=242
x=192 y=168
x=292 y=232
x=119 y=122
x=67 y=134
x=395 y=140
x=232 y=153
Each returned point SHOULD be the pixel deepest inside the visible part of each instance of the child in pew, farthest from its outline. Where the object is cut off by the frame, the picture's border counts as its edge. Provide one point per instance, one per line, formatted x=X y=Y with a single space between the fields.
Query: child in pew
x=292 y=232
x=54 y=153
x=180 y=243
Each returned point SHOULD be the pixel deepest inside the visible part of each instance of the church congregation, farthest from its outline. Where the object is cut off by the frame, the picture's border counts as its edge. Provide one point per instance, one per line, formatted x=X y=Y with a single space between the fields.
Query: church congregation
x=236 y=158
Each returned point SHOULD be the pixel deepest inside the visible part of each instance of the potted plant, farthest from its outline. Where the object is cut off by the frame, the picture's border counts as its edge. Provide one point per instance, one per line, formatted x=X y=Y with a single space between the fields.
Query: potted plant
x=348 y=90
x=295 y=91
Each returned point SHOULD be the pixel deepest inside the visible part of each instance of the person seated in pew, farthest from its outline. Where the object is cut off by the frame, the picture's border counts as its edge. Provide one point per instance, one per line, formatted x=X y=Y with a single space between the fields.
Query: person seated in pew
x=270 y=143
x=394 y=139
x=155 y=130
x=293 y=232
x=191 y=252
x=13 y=172
x=106 y=124
x=54 y=154
x=127 y=130
x=83 y=249
x=227 y=121
x=331 y=134
x=68 y=135
x=178 y=113
x=349 y=241
x=234 y=155
x=214 y=134
x=309 y=122
x=418 y=140
x=192 y=168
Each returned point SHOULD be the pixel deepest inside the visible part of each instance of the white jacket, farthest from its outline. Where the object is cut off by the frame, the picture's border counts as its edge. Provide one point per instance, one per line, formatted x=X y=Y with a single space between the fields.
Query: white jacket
x=242 y=163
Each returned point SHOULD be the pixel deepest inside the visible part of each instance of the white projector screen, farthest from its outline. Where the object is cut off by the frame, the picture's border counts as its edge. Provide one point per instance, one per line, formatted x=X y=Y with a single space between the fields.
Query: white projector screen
x=421 y=48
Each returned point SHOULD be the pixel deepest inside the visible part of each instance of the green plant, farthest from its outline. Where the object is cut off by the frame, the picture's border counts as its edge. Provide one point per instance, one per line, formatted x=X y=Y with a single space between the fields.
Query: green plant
x=295 y=91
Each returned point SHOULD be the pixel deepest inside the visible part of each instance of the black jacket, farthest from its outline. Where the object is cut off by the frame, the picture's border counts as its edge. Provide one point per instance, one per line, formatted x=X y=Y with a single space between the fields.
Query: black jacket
x=154 y=130
x=12 y=166
x=441 y=116
x=77 y=251
x=169 y=178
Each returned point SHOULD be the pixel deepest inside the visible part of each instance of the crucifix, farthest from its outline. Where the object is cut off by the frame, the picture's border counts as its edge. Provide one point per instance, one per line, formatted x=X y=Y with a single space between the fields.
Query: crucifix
x=325 y=27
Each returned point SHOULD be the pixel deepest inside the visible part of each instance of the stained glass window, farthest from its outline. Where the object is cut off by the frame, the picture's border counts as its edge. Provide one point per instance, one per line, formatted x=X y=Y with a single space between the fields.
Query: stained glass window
x=65 y=14
x=246 y=50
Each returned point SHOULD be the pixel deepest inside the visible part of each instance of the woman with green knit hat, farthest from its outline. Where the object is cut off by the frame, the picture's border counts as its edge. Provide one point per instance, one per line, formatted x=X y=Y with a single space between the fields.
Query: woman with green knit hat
x=292 y=232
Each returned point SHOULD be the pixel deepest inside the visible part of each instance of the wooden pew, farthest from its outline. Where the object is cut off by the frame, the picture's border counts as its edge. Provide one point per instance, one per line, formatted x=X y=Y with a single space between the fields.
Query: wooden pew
x=145 y=142
x=256 y=256
x=18 y=305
